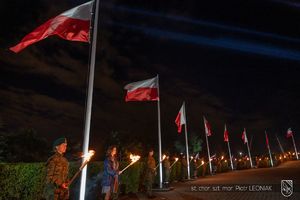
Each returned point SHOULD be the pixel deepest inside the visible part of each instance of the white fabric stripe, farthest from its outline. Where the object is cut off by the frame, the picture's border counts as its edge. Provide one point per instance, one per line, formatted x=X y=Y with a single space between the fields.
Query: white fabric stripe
x=149 y=83
x=182 y=115
x=82 y=11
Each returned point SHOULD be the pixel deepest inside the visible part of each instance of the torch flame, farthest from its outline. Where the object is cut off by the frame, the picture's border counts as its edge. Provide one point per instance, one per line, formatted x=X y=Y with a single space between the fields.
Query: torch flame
x=176 y=159
x=202 y=162
x=134 y=158
x=88 y=155
x=164 y=157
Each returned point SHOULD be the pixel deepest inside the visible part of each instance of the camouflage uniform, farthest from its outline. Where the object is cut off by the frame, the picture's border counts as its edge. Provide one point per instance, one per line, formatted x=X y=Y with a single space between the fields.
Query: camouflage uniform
x=166 y=164
x=57 y=174
x=150 y=174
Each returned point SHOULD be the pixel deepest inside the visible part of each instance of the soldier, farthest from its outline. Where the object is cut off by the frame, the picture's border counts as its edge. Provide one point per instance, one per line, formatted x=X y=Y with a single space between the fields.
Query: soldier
x=166 y=164
x=150 y=173
x=183 y=168
x=56 y=187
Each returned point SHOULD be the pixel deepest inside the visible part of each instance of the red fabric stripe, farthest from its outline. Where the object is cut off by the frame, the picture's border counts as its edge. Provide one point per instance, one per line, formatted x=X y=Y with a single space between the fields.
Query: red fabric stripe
x=142 y=94
x=225 y=136
x=65 y=27
x=178 y=122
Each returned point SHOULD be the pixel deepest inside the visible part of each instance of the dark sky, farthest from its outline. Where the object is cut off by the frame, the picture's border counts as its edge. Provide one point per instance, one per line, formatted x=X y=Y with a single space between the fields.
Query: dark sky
x=236 y=62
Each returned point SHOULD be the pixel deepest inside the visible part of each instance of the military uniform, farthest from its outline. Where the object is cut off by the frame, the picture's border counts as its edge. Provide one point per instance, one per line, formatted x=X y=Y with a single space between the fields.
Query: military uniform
x=150 y=174
x=57 y=174
x=183 y=168
x=166 y=164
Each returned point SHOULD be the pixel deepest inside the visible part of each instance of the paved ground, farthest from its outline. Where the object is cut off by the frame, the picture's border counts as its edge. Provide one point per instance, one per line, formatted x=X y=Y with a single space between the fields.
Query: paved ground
x=244 y=185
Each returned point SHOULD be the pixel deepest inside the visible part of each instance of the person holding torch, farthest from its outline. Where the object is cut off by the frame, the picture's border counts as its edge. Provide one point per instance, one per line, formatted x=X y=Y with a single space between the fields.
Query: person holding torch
x=56 y=187
x=110 y=174
x=150 y=173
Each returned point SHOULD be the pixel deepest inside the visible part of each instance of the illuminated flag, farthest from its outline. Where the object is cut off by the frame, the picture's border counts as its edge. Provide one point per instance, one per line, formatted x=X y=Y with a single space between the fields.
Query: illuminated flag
x=180 y=119
x=73 y=24
x=207 y=127
x=289 y=133
x=244 y=137
x=146 y=90
x=226 y=134
x=267 y=140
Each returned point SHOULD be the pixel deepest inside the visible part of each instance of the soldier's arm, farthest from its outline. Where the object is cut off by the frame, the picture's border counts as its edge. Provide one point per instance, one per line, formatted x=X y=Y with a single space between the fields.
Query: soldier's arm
x=52 y=172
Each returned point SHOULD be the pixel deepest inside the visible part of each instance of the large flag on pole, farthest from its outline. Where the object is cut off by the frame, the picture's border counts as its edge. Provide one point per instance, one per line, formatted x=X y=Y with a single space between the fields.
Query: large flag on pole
x=226 y=139
x=245 y=140
x=207 y=127
x=146 y=90
x=289 y=133
x=226 y=134
x=180 y=119
x=244 y=136
x=73 y=24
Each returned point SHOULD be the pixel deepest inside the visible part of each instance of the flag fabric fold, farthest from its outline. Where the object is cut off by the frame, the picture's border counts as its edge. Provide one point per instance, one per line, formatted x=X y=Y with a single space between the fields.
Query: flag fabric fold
x=73 y=25
x=180 y=119
x=226 y=139
x=146 y=90
x=244 y=136
x=289 y=133
x=207 y=127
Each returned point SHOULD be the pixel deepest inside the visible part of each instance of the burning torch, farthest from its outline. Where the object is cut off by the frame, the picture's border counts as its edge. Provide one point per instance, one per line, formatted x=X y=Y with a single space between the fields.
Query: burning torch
x=87 y=157
x=176 y=159
x=133 y=159
x=202 y=163
x=164 y=157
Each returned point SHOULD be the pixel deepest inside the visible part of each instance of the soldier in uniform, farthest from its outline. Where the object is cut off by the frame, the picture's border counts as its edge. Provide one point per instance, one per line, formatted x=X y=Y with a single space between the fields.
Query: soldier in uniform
x=166 y=164
x=183 y=168
x=150 y=173
x=56 y=187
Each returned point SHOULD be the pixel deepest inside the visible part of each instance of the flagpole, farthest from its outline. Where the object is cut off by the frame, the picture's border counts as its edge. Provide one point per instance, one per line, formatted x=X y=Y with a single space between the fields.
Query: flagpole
x=268 y=145
x=187 y=145
x=249 y=151
x=230 y=156
x=209 y=161
x=296 y=152
x=92 y=58
x=282 y=151
x=159 y=137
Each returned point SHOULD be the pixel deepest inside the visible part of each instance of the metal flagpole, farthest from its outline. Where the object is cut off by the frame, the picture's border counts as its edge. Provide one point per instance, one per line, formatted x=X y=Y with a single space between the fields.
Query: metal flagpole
x=230 y=156
x=249 y=151
x=159 y=137
x=186 y=144
x=271 y=159
x=92 y=58
x=296 y=152
x=282 y=151
x=209 y=161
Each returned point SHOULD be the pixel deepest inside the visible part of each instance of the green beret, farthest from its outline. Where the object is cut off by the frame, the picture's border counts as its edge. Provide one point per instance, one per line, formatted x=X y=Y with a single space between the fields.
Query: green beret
x=59 y=141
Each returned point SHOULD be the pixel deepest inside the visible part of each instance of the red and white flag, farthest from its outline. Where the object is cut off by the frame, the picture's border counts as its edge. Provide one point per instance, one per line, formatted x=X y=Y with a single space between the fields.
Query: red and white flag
x=73 y=24
x=289 y=133
x=267 y=140
x=207 y=127
x=226 y=139
x=244 y=136
x=180 y=119
x=146 y=90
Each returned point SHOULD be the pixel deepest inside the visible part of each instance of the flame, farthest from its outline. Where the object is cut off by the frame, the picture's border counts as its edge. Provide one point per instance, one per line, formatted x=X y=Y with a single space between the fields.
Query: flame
x=164 y=157
x=222 y=157
x=88 y=155
x=176 y=159
x=134 y=158
x=202 y=162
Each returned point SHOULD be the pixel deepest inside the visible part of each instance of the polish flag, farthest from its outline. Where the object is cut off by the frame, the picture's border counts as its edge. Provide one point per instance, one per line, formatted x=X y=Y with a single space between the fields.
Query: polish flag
x=71 y=25
x=289 y=133
x=207 y=127
x=244 y=136
x=180 y=119
x=267 y=140
x=226 y=134
x=146 y=90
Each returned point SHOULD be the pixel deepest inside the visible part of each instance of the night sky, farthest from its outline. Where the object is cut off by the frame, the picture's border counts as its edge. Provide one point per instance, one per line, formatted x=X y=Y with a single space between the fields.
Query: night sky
x=236 y=62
